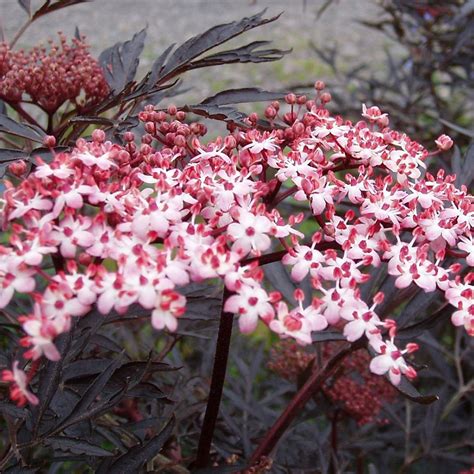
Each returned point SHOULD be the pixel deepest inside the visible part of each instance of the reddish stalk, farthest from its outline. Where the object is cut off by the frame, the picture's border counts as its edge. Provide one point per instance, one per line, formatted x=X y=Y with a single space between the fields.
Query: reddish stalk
x=312 y=385
x=217 y=386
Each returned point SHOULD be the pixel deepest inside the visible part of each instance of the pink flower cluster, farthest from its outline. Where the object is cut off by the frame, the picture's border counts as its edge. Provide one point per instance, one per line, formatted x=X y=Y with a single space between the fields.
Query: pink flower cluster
x=51 y=77
x=132 y=224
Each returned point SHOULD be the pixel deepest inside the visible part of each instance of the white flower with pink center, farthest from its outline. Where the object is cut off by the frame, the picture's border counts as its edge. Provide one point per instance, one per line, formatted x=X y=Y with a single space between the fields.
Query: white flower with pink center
x=14 y=275
x=292 y=324
x=251 y=303
x=19 y=390
x=169 y=306
x=391 y=360
x=304 y=259
x=250 y=233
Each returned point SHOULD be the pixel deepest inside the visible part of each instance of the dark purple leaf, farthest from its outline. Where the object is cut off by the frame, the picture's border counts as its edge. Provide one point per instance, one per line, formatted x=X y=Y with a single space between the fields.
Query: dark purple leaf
x=26 y=5
x=8 y=125
x=51 y=6
x=138 y=455
x=211 y=38
x=8 y=154
x=239 y=96
x=407 y=389
x=77 y=446
x=245 y=54
x=120 y=62
x=226 y=114
x=324 y=336
x=95 y=389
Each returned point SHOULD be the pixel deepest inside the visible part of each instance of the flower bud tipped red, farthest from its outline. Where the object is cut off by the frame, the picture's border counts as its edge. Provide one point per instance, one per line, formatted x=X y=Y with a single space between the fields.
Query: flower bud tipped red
x=17 y=168
x=444 y=142
x=98 y=136
x=326 y=97
x=49 y=141
x=319 y=85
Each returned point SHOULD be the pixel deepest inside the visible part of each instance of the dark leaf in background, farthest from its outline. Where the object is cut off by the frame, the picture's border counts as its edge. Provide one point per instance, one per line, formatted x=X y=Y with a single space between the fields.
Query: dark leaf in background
x=138 y=455
x=407 y=389
x=89 y=396
x=26 y=5
x=120 y=62
x=226 y=114
x=51 y=6
x=239 y=96
x=77 y=446
x=8 y=154
x=467 y=173
x=244 y=54
x=8 y=125
x=211 y=38
x=325 y=336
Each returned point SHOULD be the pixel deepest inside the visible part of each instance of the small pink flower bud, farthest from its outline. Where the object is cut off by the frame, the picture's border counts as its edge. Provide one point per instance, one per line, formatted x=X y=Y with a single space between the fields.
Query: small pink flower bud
x=412 y=347
x=49 y=141
x=129 y=136
x=298 y=294
x=172 y=110
x=180 y=115
x=270 y=112
x=17 y=168
x=98 y=135
x=378 y=298
x=290 y=99
x=150 y=127
x=326 y=97
x=319 y=85
x=444 y=142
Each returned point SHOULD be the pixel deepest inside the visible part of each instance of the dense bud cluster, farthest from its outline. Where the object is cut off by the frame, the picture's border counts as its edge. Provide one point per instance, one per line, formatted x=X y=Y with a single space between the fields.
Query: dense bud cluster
x=48 y=77
x=353 y=389
x=132 y=224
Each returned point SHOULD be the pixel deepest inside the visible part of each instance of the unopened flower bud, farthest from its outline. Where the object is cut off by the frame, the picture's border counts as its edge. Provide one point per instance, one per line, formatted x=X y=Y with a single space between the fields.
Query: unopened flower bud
x=319 y=85
x=49 y=141
x=444 y=142
x=98 y=135
x=326 y=97
x=17 y=168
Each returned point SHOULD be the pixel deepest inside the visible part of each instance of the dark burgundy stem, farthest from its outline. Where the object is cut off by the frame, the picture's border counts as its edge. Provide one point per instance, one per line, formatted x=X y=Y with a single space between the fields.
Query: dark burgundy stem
x=217 y=385
x=312 y=385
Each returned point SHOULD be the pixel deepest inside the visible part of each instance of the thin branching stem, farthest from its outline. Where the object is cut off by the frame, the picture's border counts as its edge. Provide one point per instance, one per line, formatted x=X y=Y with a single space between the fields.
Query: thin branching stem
x=217 y=385
x=311 y=386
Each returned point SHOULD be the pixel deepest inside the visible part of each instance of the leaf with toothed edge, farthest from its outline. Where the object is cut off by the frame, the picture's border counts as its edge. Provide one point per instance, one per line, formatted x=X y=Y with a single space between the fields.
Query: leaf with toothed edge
x=120 y=62
x=12 y=127
x=244 y=95
x=139 y=454
x=211 y=38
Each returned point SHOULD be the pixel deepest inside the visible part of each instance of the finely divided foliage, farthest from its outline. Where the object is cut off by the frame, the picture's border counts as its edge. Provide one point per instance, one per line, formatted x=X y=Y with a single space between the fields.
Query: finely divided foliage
x=152 y=220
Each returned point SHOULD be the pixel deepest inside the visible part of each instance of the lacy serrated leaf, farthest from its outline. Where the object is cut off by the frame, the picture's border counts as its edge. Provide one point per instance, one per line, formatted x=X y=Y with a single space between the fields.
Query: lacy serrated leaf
x=408 y=390
x=26 y=5
x=8 y=125
x=211 y=38
x=120 y=62
x=138 y=455
x=78 y=446
x=245 y=54
x=244 y=95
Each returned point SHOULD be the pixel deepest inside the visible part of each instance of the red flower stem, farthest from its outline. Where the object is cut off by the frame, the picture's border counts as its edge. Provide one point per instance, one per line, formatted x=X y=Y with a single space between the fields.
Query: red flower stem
x=284 y=195
x=311 y=386
x=217 y=385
